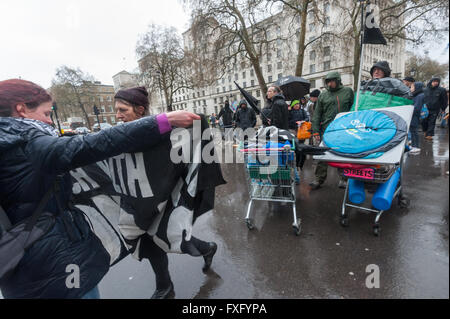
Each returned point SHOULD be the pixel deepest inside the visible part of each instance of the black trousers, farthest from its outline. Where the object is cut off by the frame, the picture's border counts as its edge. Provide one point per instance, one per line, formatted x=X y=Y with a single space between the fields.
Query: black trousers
x=431 y=123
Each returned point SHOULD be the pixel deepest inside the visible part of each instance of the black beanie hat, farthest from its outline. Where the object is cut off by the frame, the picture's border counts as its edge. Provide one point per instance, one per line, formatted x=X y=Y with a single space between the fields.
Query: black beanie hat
x=409 y=79
x=314 y=93
x=383 y=65
x=137 y=96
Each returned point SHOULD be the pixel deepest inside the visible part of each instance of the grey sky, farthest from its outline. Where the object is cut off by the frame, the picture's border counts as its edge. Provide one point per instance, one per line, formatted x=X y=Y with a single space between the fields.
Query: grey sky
x=99 y=36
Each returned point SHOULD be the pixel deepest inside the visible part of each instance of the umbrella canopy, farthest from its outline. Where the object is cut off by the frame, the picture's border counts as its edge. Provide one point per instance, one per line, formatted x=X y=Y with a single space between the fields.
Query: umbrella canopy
x=293 y=87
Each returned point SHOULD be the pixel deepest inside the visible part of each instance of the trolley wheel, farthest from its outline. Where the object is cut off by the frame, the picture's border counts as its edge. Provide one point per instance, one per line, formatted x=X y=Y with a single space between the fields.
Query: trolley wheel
x=298 y=227
x=403 y=202
x=249 y=224
x=376 y=230
x=344 y=221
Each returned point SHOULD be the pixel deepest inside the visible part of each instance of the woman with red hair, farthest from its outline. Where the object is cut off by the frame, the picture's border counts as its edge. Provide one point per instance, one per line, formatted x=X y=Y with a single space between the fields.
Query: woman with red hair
x=32 y=157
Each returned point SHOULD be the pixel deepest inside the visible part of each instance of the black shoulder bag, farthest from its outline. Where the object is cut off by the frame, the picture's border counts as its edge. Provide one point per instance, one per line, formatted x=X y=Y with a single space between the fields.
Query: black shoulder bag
x=15 y=240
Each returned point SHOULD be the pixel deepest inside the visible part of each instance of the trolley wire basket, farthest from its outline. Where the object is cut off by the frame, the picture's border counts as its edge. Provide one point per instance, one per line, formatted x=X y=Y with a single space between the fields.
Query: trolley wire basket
x=270 y=177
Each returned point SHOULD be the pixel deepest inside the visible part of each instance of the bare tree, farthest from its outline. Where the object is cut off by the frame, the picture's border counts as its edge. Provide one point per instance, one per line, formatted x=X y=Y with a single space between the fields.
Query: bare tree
x=71 y=90
x=423 y=68
x=240 y=32
x=410 y=20
x=161 y=62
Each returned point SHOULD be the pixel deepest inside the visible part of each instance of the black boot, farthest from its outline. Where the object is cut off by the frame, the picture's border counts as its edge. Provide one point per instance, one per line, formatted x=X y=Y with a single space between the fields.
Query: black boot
x=208 y=257
x=165 y=293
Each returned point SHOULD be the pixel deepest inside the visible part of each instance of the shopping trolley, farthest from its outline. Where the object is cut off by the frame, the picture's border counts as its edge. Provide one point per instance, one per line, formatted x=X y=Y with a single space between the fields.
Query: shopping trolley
x=270 y=175
x=372 y=176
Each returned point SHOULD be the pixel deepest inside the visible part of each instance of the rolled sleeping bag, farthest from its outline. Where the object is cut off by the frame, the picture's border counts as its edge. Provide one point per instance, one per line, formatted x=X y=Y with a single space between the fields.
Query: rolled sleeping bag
x=356 y=192
x=382 y=199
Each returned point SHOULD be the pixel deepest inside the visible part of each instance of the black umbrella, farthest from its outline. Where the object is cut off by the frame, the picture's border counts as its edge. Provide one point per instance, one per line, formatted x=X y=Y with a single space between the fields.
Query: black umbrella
x=252 y=101
x=293 y=87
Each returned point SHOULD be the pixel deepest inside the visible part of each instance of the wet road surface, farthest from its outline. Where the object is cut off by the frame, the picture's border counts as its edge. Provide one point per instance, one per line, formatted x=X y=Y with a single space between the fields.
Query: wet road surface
x=326 y=260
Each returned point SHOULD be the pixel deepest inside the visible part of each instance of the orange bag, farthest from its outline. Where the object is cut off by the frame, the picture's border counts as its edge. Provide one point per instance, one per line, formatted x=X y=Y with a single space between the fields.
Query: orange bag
x=304 y=131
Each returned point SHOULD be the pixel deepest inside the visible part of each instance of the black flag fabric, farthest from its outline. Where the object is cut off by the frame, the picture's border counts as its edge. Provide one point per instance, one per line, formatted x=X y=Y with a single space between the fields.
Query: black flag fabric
x=146 y=193
x=372 y=32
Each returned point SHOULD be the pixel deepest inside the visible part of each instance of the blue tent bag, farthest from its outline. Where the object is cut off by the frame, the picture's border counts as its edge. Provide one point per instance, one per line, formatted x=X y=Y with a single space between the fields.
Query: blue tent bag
x=358 y=132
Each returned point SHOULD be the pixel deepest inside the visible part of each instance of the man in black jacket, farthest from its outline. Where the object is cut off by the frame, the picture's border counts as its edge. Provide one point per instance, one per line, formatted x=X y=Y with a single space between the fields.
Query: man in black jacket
x=436 y=100
x=279 y=116
x=245 y=116
x=227 y=114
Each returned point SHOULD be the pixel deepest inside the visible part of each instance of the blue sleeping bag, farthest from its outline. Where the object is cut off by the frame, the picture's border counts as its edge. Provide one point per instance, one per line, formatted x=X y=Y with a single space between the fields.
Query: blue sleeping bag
x=365 y=134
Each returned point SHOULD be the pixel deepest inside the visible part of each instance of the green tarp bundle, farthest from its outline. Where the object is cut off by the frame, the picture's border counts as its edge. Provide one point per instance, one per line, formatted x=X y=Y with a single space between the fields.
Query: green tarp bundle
x=374 y=100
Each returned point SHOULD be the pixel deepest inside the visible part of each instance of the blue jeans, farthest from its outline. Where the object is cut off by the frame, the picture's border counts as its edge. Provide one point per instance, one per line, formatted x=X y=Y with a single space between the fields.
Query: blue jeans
x=414 y=130
x=93 y=294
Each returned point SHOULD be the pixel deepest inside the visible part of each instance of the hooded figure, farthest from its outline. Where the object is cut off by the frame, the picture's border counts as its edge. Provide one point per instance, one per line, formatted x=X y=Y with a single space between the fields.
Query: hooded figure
x=227 y=114
x=337 y=98
x=383 y=66
x=245 y=116
x=435 y=97
x=331 y=102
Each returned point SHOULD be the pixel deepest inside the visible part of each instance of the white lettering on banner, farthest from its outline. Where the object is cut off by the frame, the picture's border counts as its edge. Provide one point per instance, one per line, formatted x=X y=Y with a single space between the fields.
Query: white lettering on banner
x=81 y=177
x=135 y=171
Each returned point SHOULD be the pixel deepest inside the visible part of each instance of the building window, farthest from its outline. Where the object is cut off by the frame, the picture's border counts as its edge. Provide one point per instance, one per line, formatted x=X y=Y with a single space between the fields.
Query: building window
x=327 y=21
x=312 y=27
x=279 y=65
x=101 y=98
x=252 y=82
x=269 y=68
x=313 y=83
x=229 y=78
x=245 y=84
x=215 y=100
x=236 y=76
x=312 y=68
x=223 y=80
x=269 y=56
x=218 y=90
x=252 y=73
x=312 y=55
x=112 y=108
x=215 y=108
x=221 y=99
x=105 y=120
x=326 y=65
x=204 y=102
x=203 y=92
x=280 y=75
x=224 y=90
x=113 y=119
x=278 y=53
x=258 y=93
x=270 y=78
x=103 y=109
x=326 y=51
x=243 y=75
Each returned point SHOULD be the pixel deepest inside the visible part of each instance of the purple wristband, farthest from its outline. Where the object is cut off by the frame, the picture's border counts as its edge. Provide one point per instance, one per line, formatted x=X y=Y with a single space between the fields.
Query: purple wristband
x=163 y=123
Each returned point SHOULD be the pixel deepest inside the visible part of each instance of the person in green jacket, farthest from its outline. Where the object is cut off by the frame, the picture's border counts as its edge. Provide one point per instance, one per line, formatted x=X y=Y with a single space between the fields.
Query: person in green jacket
x=335 y=99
